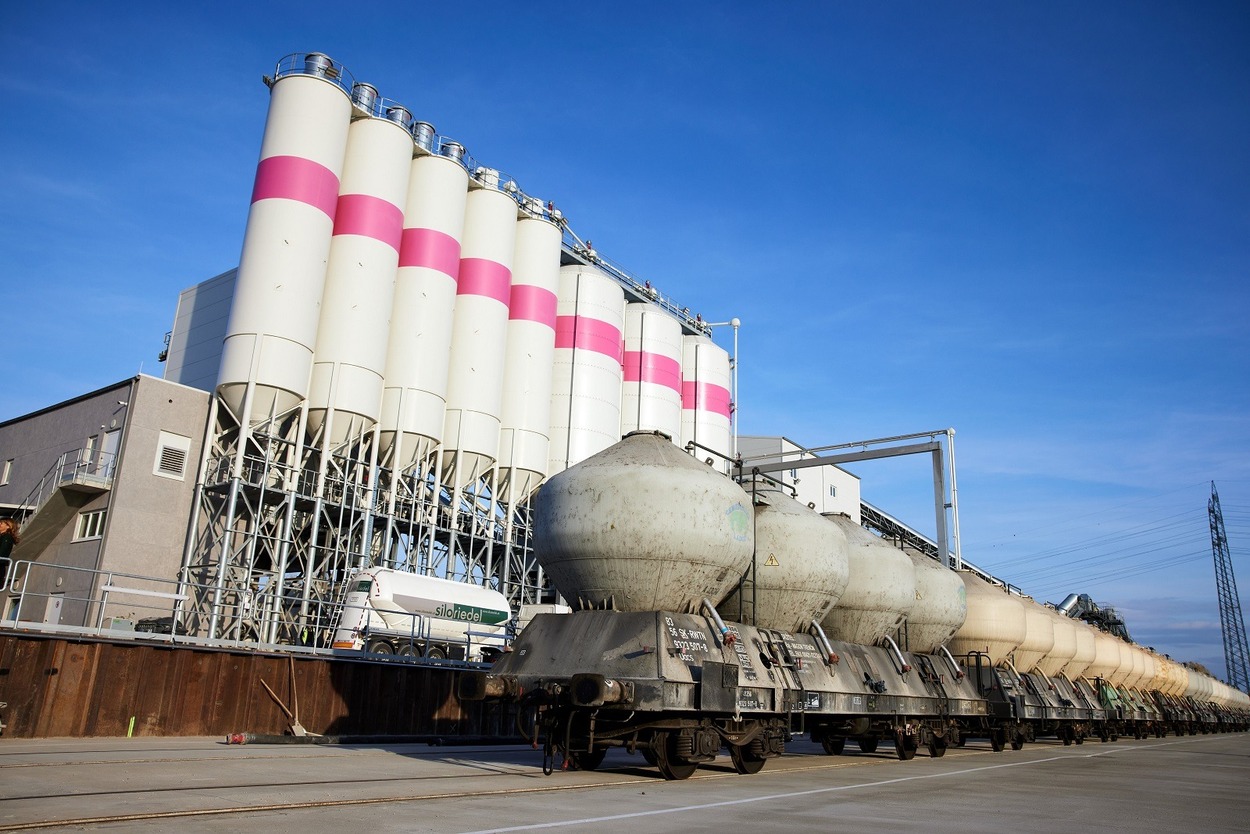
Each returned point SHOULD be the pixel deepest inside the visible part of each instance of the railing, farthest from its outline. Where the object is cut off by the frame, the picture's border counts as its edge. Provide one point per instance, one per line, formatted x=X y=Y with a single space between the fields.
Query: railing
x=132 y=606
x=78 y=466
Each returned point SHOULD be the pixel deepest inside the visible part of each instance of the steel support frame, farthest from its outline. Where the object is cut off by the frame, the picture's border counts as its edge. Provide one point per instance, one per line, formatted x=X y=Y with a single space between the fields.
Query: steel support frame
x=280 y=526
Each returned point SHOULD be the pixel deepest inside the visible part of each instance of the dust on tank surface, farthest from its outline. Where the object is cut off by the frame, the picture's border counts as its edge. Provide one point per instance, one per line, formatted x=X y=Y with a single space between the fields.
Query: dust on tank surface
x=801 y=564
x=643 y=526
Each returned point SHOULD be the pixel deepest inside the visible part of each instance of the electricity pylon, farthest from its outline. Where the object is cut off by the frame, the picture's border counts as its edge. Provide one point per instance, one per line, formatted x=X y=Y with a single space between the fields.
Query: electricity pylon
x=1231 y=622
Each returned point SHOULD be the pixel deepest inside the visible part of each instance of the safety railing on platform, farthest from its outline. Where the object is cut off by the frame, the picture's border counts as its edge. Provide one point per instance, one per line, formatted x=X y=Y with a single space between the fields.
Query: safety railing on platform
x=42 y=597
x=87 y=467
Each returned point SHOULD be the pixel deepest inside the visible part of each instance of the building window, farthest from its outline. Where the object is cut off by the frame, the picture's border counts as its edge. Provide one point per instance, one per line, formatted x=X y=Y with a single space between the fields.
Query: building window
x=833 y=492
x=172 y=451
x=90 y=525
x=6 y=472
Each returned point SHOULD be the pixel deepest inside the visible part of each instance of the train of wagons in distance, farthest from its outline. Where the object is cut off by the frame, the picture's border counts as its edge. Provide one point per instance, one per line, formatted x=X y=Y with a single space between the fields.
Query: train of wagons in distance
x=844 y=637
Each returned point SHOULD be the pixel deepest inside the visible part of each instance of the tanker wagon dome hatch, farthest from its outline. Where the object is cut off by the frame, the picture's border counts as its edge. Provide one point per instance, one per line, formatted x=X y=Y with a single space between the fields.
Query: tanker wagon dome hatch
x=393 y=612
x=643 y=526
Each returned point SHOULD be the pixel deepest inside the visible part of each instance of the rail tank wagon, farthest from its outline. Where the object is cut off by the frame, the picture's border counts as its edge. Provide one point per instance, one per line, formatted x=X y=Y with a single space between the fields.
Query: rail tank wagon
x=1064 y=647
x=801 y=565
x=940 y=608
x=282 y=268
x=881 y=591
x=1086 y=650
x=643 y=526
x=681 y=683
x=418 y=349
x=1039 y=637
x=995 y=624
x=586 y=375
x=350 y=356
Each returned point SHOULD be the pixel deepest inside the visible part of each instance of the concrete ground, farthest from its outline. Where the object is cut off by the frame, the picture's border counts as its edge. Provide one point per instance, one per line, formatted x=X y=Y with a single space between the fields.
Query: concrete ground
x=1196 y=783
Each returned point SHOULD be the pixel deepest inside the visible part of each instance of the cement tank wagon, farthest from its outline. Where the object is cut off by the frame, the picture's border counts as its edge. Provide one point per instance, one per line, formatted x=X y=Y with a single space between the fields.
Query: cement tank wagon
x=881 y=592
x=801 y=565
x=643 y=526
x=995 y=623
x=1039 y=637
x=941 y=605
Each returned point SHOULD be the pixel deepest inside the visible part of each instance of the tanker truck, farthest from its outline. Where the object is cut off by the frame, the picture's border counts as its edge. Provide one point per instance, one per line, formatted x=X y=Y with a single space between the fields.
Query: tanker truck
x=394 y=612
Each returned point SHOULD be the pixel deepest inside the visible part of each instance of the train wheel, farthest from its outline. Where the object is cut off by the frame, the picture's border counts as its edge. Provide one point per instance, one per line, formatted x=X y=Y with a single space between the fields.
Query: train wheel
x=587 y=761
x=746 y=760
x=998 y=739
x=937 y=747
x=834 y=745
x=961 y=740
x=904 y=746
x=664 y=746
x=1080 y=738
x=1017 y=741
x=649 y=756
x=868 y=744
x=1067 y=736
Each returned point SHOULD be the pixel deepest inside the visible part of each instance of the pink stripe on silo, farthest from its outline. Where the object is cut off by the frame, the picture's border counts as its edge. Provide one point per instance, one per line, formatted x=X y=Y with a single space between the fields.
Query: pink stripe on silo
x=590 y=334
x=530 y=303
x=704 y=396
x=299 y=179
x=478 y=276
x=431 y=249
x=369 y=216
x=655 y=368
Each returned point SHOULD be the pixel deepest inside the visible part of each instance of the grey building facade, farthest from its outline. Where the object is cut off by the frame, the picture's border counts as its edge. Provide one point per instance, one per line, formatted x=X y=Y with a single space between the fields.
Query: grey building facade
x=102 y=484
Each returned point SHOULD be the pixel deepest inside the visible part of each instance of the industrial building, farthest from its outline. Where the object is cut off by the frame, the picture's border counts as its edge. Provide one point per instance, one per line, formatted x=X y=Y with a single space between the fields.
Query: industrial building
x=103 y=484
x=410 y=345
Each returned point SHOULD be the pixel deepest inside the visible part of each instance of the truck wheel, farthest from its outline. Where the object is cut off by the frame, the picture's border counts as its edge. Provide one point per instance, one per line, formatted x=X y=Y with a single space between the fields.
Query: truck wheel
x=380 y=647
x=435 y=653
x=407 y=650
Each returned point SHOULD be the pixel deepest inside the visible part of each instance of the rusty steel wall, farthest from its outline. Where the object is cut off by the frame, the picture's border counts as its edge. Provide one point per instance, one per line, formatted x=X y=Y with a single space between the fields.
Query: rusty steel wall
x=57 y=687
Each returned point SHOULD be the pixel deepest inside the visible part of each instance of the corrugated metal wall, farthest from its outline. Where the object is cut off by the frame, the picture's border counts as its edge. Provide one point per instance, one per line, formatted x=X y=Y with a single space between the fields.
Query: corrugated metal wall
x=59 y=687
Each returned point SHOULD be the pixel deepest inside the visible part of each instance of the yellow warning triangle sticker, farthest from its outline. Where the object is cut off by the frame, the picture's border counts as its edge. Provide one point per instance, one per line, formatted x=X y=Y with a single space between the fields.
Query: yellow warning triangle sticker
x=772 y=562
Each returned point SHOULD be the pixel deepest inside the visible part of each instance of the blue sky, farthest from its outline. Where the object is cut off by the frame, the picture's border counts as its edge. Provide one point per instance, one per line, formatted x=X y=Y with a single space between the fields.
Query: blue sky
x=1030 y=222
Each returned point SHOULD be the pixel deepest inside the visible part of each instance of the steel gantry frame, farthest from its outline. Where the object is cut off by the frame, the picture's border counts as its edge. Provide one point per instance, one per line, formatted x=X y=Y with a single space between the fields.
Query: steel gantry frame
x=1232 y=624
x=943 y=457
x=280 y=525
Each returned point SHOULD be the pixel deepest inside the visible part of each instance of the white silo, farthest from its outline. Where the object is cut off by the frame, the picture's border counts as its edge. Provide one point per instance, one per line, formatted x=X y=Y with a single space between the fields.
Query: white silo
x=651 y=385
x=525 y=417
x=360 y=276
x=586 y=373
x=705 y=399
x=277 y=294
x=479 y=331
x=414 y=396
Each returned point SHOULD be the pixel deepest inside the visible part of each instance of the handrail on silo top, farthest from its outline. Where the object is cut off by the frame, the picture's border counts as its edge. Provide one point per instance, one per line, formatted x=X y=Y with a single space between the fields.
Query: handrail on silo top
x=316 y=64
